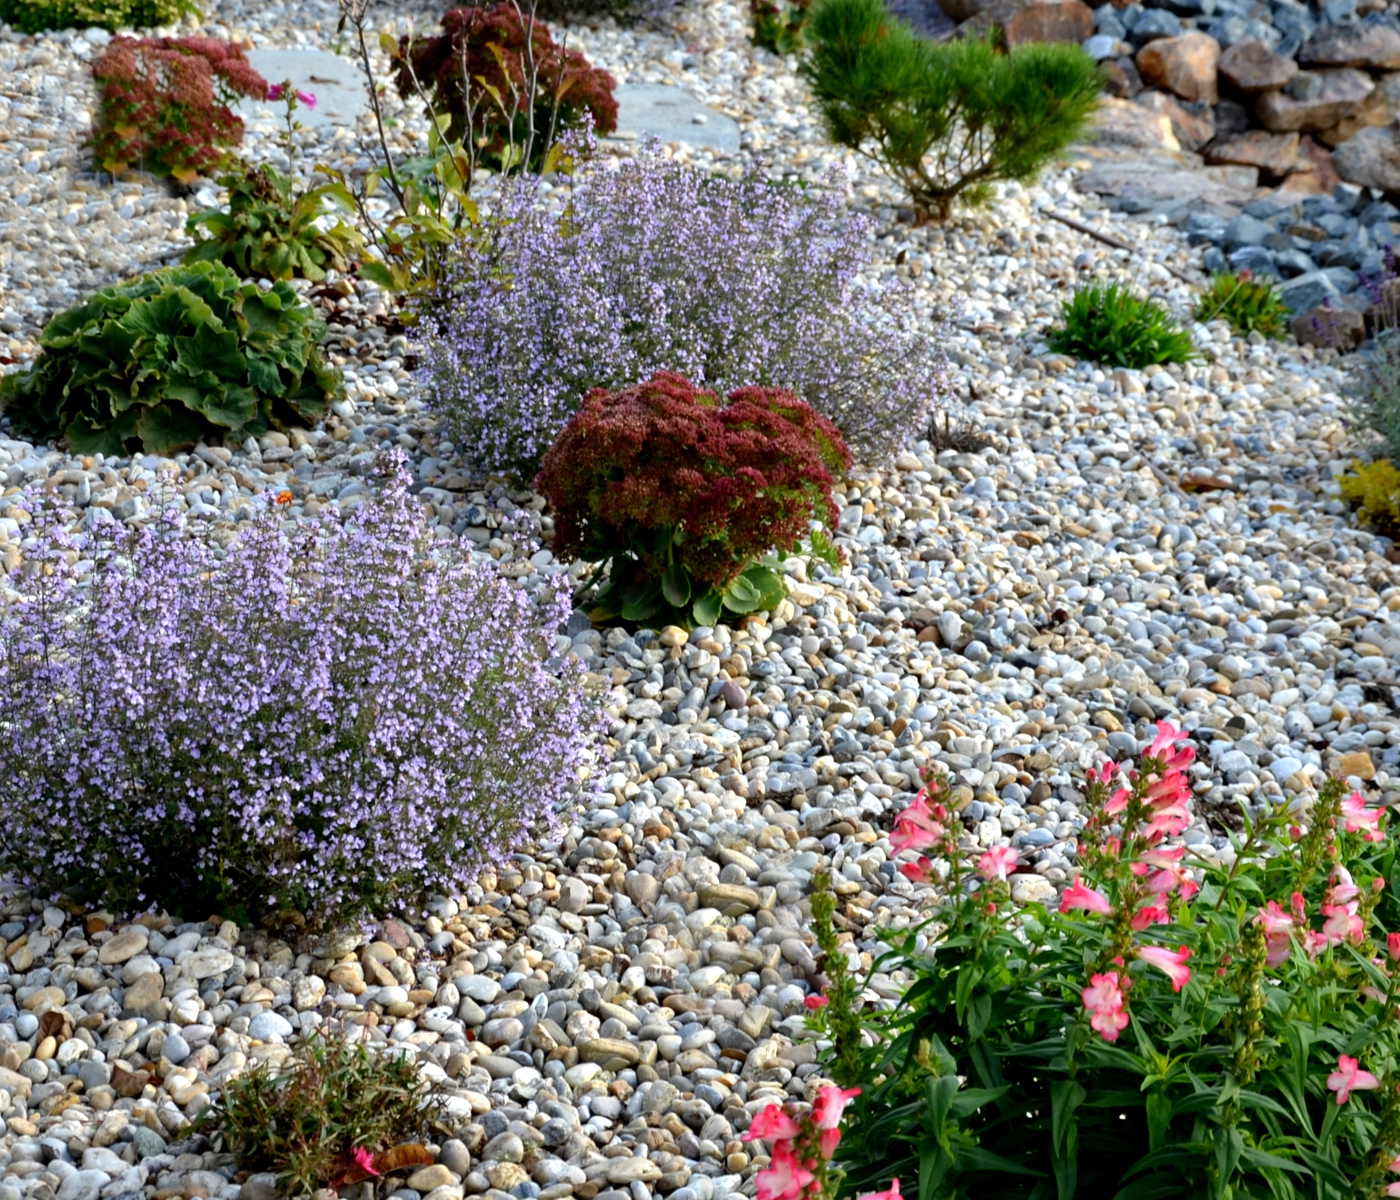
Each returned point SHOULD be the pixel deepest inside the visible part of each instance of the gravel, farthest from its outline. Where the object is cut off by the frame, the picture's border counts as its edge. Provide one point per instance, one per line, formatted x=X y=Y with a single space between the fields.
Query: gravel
x=607 y=1012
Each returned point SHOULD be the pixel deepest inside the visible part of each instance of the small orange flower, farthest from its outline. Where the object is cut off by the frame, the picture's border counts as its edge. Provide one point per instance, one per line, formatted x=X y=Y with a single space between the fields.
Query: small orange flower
x=283 y=497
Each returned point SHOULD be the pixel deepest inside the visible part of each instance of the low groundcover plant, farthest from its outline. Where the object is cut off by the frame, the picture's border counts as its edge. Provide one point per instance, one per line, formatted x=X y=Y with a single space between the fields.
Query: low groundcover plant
x=1107 y=323
x=1186 y=1023
x=684 y=496
x=336 y=717
x=656 y=266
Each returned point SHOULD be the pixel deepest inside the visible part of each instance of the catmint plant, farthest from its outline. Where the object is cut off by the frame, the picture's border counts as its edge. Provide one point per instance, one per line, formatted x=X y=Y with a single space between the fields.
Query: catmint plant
x=336 y=717
x=1186 y=1021
x=652 y=265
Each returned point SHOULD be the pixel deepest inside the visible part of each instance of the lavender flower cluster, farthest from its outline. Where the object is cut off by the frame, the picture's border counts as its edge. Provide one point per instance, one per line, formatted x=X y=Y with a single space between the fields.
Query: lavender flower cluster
x=651 y=266
x=337 y=717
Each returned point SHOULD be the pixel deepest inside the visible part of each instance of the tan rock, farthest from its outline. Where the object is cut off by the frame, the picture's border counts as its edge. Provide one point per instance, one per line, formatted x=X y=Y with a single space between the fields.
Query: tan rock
x=1358 y=764
x=130 y=942
x=143 y=993
x=608 y=1050
x=1371 y=47
x=1061 y=21
x=1338 y=327
x=425 y=1179
x=1185 y=66
x=1376 y=113
x=1251 y=67
x=1342 y=94
x=1192 y=130
x=1272 y=153
x=1123 y=123
x=506 y=1175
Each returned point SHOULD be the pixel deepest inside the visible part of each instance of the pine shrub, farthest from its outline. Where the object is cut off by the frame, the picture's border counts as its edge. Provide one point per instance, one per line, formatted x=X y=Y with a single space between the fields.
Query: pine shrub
x=655 y=266
x=337 y=717
x=165 y=105
x=683 y=492
x=944 y=120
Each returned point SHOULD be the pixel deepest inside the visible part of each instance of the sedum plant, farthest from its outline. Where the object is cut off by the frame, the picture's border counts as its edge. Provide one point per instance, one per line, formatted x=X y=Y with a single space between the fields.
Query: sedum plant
x=338 y=1112
x=656 y=266
x=1106 y=323
x=1250 y=305
x=242 y=728
x=1185 y=1023
x=683 y=496
x=35 y=16
x=172 y=357
x=499 y=83
x=1373 y=490
x=271 y=231
x=944 y=120
x=166 y=104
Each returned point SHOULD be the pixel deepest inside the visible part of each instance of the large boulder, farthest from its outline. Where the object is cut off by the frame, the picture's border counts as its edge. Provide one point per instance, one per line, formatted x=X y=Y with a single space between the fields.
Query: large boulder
x=1193 y=130
x=1372 y=47
x=1272 y=153
x=1339 y=328
x=1375 y=111
x=1335 y=96
x=1251 y=67
x=1371 y=159
x=1185 y=66
x=1127 y=125
x=1021 y=24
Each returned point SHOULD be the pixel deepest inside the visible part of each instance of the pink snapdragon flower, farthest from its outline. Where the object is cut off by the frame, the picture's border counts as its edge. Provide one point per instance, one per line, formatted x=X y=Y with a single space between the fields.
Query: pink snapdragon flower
x=785 y=1178
x=830 y=1104
x=1341 y=888
x=1342 y=924
x=917 y=871
x=1165 y=750
x=1358 y=817
x=1349 y=1077
x=890 y=1193
x=918 y=827
x=278 y=90
x=771 y=1122
x=1104 y=1000
x=814 y=1002
x=997 y=863
x=1172 y=962
x=1078 y=895
x=1149 y=915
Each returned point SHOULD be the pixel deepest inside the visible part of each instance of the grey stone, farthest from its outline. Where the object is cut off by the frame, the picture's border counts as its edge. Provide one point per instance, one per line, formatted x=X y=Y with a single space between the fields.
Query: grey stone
x=147 y=1142
x=1153 y=24
x=83 y=1185
x=336 y=82
x=1245 y=231
x=1308 y=291
x=269 y=1027
x=1371 y=158
x=671 y=114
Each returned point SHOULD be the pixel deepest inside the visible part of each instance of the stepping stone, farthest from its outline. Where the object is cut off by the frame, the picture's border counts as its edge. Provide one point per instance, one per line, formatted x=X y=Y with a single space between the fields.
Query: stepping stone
x=336 y=82
x=671 y=114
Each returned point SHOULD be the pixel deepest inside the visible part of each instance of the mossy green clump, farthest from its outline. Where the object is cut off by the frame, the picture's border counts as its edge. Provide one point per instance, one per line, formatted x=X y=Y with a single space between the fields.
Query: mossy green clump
x=1250 y=305
x=35 y=16
x=1373 y=490
x=1106 y=323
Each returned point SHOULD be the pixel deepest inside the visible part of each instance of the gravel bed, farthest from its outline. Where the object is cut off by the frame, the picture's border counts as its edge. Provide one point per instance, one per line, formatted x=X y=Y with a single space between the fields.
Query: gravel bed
x=609 y=1012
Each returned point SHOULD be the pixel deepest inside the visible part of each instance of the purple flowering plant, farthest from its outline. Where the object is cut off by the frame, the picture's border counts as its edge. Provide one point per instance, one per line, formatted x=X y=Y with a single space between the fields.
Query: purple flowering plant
x=334 y=717
x=650 y=266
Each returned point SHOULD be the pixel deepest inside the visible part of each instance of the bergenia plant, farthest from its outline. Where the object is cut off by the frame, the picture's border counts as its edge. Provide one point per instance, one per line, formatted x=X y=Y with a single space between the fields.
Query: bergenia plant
x=1187 y=1020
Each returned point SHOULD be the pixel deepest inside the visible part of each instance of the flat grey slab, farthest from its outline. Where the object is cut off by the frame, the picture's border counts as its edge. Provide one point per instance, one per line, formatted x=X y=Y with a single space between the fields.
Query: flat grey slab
x=337 y=84
x=671 y=114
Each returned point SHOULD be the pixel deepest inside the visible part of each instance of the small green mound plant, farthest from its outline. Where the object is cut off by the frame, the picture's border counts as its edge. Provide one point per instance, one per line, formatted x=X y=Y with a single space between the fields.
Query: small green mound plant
x=335 y=1113
x=172 y=357
x=1106 y=323
x=35 y=16
x=1373 y=394
x=271 y=231
x=691 y=501
x=780 y=25
x=944 y=120
x=1373 y=490
x=1250 y=305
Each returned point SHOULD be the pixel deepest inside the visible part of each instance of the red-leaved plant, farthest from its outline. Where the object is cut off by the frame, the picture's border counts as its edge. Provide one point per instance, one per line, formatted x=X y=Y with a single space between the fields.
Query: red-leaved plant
x=166 y=104
x=683 y=493
x=1186 y=1021
x=499 y=78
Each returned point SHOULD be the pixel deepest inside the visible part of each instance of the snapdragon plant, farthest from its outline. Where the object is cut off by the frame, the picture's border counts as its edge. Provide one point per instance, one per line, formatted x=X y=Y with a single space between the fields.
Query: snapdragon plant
x=1184 y=1023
